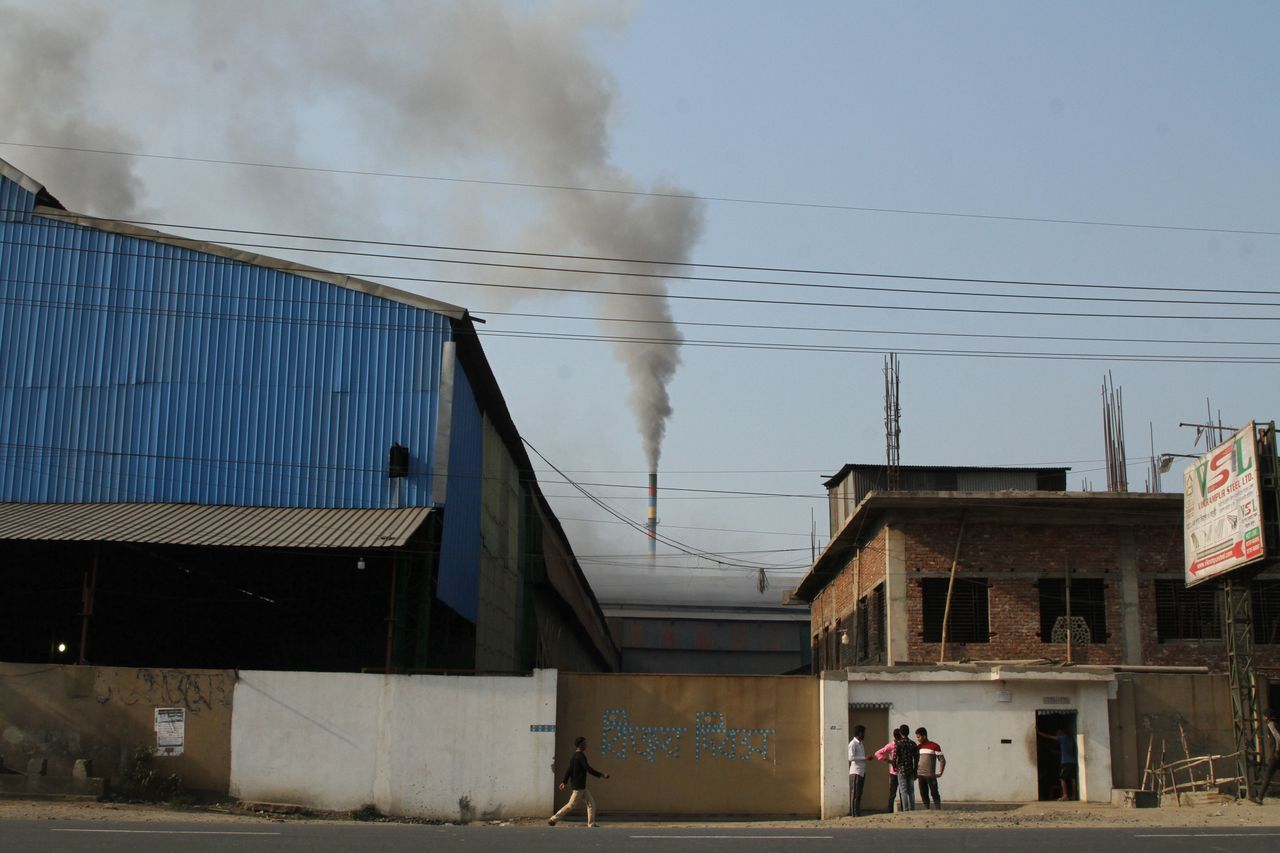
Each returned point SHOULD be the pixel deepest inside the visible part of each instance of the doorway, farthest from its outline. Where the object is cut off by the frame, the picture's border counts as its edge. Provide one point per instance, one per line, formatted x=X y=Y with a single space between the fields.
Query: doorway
x=1048 y=725
x=875 y=791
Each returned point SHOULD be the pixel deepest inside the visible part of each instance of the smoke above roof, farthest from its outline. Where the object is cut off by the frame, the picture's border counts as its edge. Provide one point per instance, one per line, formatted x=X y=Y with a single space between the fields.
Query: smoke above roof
x=510 y=92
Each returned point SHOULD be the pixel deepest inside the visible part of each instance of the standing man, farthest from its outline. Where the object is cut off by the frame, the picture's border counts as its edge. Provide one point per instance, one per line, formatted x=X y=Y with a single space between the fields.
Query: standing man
x=932 y=763
x=577 y=775
x=1269 y=717
x=1067 y=761
x=885 y=753
x=906 y=760
x=857 y=770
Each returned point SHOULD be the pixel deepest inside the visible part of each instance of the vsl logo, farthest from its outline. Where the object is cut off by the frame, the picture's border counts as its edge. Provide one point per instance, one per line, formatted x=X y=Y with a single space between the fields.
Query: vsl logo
x=1216 y=472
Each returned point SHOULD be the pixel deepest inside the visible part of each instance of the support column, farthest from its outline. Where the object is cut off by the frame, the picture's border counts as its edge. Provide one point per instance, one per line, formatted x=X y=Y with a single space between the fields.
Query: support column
x=1240 y=674
x=895 y=592
x=87 y=593
x=833 y=755
x=1130 y=614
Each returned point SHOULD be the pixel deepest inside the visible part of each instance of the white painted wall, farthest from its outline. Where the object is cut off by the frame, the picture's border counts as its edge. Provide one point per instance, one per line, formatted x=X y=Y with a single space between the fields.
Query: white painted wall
x=443 y=747
x=968 y=720
x=834 y=699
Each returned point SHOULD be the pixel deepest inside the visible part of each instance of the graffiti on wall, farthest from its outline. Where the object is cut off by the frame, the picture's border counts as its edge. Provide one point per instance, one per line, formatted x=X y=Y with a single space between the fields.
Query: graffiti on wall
x=190 y=690
x=619 y=738
x=713 y=738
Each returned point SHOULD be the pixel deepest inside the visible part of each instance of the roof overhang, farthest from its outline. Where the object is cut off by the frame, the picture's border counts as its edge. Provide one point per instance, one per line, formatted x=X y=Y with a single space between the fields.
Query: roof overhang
x=1118 y=507
x=212 y=526
x=1002 y=469
x=948 y=673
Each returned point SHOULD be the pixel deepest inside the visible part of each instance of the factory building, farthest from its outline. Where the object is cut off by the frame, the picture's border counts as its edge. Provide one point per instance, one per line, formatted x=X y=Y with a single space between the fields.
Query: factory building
x=210 y=458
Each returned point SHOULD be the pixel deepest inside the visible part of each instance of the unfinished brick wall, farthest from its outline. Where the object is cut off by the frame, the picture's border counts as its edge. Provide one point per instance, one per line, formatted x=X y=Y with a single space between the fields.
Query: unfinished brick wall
x=1013 y=556
x=832 y=610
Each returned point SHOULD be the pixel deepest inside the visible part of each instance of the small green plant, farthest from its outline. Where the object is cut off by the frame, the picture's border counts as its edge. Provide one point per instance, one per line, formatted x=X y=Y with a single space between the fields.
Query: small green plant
x=367 y=812
x=142 y=781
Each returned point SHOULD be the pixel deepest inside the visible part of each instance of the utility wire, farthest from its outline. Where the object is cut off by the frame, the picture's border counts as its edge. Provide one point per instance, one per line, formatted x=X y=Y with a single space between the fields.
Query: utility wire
x=56 y=223
x=1098 y=223
x=675 y=296
x=716 y=344
x=889 y=332
x=679 y=546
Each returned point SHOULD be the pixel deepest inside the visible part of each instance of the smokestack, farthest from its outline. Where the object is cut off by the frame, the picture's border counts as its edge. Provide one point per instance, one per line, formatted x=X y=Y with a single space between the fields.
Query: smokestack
x=653 y=514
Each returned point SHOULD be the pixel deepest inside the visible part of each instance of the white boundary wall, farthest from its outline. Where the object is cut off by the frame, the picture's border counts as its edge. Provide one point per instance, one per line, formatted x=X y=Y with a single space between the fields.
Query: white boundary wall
x=443 y=747
x=985 y=724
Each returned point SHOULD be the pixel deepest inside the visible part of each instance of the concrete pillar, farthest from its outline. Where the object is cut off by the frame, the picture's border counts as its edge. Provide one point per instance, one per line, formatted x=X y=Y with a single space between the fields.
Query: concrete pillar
x=1126 y=769
x=834 y=720
x=1130 y=616
x=1093 y=743
x=895 y=591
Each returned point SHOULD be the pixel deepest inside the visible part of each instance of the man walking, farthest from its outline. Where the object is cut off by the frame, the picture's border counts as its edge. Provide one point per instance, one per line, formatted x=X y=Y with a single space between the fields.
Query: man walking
x=857 y=770
x=929 y=770
x=906 y=760
x=1268 y=717
x=577 y=775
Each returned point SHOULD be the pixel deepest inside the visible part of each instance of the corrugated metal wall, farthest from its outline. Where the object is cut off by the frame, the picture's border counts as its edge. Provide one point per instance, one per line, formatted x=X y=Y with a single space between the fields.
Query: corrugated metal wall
x=459 y=583
x=131 y=370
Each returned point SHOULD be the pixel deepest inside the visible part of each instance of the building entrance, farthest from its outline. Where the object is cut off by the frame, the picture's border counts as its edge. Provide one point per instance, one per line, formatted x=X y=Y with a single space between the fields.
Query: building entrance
x=875 y=792
x=1049 y=725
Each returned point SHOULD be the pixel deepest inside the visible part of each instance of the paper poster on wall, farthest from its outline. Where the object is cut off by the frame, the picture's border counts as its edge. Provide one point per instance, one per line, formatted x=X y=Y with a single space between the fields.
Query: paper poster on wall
x=171 y=730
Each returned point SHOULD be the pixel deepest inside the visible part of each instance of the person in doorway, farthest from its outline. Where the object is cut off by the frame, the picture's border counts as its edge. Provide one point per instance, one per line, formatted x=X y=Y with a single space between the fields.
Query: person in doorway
x=885 y=753
x=857 y=770
x=906 y=760
x=576 y=775
x=1068 y=773
x=1269 y=717
x=929 y=771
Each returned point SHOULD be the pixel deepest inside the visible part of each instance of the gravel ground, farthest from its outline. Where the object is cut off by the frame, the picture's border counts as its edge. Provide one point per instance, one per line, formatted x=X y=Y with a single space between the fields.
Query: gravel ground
x=961 y=815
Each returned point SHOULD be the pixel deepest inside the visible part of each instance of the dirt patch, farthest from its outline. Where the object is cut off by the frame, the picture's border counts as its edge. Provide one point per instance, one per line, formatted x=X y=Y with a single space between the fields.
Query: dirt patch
x=961 y=815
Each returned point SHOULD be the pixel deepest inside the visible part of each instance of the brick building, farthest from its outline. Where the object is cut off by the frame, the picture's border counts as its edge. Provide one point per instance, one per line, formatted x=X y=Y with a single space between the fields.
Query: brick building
x=879 y=591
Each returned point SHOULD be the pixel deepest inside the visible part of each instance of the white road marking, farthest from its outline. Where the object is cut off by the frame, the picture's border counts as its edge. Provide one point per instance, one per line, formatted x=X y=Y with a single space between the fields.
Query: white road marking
x=170 y=831
x=750 y=838
x=1211 y=835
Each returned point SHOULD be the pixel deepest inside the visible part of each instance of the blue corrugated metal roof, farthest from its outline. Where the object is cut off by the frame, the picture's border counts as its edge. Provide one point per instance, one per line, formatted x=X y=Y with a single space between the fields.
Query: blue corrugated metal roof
x=132 y=369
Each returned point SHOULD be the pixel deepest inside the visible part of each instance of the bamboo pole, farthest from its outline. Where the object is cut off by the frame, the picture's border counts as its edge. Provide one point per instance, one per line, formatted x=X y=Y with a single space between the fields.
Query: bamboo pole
x=951 y=585
x=1146 y=768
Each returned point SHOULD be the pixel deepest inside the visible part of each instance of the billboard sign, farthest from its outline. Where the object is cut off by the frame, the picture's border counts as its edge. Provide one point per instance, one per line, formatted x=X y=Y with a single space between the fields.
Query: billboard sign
x=1222 y=509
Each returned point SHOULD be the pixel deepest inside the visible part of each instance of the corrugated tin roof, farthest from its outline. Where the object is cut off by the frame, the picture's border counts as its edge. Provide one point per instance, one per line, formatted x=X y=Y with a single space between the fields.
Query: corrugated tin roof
x=60 y=213
x=226 y=526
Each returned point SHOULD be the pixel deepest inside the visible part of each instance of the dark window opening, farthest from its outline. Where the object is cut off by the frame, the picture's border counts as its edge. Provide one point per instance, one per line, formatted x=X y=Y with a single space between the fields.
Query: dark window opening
x=1088 y=610
x=1266 y=612
x=969 y=620
x=870 y=624
x=1187 y=614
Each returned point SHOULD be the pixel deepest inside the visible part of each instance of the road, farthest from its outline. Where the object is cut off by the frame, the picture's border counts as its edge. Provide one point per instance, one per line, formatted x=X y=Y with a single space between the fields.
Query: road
x=134 y=837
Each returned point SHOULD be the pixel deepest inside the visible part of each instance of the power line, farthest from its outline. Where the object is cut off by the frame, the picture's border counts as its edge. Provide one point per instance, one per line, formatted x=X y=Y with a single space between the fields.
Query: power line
x=1096 y=223
x=679 y=546
x=887 y=332
x=783 y=347
x=40 y=221
x=352 y=324
x=751 y=345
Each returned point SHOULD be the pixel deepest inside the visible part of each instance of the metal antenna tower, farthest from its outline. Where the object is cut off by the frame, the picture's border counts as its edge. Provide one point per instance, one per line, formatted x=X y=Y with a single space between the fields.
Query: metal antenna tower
x=892 y=423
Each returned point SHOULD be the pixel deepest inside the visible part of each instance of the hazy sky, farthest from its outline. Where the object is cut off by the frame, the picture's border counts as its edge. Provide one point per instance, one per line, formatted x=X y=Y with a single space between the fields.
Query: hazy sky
x=930 y=141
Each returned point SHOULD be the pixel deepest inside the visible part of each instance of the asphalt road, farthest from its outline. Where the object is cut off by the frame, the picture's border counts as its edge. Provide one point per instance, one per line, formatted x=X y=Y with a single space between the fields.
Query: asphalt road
x=108 y=837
